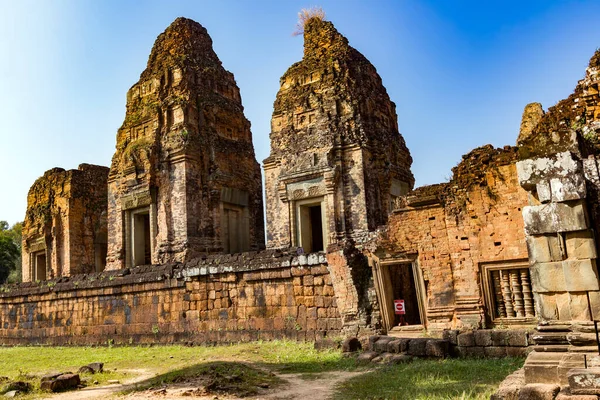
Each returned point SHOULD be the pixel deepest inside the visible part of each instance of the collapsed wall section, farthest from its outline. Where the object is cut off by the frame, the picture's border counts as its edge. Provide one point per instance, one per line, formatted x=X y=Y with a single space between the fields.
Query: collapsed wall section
x=559 y=169
x=65 y=226
x=224 y=298
x=456 y=251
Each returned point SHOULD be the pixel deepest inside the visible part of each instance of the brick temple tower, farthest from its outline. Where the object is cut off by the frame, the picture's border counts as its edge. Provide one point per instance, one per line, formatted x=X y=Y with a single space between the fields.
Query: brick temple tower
x=64 y=231
x=184 y=180
x=337 y=160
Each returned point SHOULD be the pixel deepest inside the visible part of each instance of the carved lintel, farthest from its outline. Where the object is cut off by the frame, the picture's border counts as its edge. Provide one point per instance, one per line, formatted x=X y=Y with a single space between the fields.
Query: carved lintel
x=37 y=244
x=136 y=200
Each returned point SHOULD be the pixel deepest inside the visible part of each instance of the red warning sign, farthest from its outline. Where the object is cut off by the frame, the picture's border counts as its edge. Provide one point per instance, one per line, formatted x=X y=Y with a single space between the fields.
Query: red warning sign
x=399 y=307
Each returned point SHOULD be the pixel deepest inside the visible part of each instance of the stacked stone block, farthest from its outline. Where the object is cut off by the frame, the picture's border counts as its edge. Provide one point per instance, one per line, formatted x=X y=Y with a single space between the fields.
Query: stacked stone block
x=244 y=297
x=414 y=347
x=562 y=249
x=492 y=343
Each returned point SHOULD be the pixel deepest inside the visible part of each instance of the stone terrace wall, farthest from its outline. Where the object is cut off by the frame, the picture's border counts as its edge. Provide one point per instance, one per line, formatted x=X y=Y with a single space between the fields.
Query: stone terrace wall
x=248 y=296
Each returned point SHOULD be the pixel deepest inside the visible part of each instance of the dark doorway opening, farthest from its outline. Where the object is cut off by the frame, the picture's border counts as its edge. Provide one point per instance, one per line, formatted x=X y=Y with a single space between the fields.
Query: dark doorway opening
x=316 y=226
x=40 y=266
x=404 y=288
x=141 y=239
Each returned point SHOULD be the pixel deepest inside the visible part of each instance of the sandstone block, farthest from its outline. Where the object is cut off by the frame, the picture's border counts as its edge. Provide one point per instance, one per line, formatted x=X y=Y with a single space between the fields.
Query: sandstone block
x=580 y=275
x=417 y=347
x=533 y=171
x=510 y=387
x=466 y=339
x=568 y=188
x=581 y=245
x=483 y=337
x=451 y=335
x=499 y=337
x=506 y=393
x=544 y=248
x=595 y=303
x=542 y=367
x=381 y=344
x=395 y=346
x=517 y=338
x=61 y=383
x=17 y=386
x=566 y=394
x=578 y=306
x=372 y=340
x=539 y=391
x=495 y=351
x=554 y=217
x=366 y=356
x=473 y=352
x=547 y=277
x=544 y=192
x=584 y=381
x=437 y=348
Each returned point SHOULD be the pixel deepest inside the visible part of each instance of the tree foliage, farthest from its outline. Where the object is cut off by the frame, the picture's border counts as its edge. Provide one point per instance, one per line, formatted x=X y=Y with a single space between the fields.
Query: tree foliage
x=10 y=252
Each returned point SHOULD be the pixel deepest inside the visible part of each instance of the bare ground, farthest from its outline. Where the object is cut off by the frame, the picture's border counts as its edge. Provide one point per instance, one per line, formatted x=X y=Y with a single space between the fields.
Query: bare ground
x=295 y=388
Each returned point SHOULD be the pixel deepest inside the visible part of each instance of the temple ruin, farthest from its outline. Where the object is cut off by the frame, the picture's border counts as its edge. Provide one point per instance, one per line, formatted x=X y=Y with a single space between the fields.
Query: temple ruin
x=337 y=160
x=64 y=231
x=184 y=180
x=500 y=260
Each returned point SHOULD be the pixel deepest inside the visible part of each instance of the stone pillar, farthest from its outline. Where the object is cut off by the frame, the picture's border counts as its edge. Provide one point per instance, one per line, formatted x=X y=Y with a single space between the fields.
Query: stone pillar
x=562 y=257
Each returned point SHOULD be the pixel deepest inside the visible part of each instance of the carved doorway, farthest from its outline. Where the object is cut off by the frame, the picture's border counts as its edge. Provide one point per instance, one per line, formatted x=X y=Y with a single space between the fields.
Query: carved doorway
x=311 y=225
x=40 y=266
x=400 y=280
x=141 y=237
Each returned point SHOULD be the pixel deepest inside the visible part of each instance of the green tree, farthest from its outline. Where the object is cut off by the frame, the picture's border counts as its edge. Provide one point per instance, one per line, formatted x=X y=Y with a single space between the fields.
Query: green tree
x=10 y=252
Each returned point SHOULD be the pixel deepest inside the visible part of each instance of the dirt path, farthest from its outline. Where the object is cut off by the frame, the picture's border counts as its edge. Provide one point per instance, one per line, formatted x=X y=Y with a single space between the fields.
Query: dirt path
x=295 y=388
x=314 y=389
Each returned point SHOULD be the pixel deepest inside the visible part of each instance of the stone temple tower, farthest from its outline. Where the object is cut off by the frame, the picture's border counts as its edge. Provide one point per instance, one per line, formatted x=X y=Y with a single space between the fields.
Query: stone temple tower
x=184 y=180
x=337 y=160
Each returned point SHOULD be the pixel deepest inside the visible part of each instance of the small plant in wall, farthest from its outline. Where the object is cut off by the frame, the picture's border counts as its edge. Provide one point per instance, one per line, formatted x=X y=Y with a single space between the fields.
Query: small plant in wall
x=155 y=329
x=305 y=15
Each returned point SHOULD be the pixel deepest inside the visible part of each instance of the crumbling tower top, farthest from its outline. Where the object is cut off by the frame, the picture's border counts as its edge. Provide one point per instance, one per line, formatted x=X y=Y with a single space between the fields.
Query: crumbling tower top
x=334 y=128
x=185 y=43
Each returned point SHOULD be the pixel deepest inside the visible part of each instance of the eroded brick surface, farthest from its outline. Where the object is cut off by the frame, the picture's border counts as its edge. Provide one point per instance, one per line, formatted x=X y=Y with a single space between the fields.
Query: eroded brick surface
x=217 y=299
x=64 y=231
x=184 y=156
x=455 y=227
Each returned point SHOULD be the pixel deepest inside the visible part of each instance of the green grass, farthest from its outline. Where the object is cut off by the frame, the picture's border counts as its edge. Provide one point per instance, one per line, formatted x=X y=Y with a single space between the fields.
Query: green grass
x=421 y=379
x=431 y=380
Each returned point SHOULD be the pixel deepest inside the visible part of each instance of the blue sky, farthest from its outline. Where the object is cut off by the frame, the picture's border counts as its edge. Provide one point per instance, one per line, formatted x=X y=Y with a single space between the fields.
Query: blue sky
x=460 y=72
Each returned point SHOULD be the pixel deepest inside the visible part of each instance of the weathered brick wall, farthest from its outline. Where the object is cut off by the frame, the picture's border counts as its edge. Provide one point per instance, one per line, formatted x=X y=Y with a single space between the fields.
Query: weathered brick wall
x=453 y=228
x=249 y=296
x=184 y=157
x=66 y=221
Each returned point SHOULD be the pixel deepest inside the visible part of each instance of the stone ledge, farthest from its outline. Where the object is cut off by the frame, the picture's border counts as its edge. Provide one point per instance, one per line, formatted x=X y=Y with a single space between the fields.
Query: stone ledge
x=173 y=275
